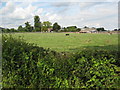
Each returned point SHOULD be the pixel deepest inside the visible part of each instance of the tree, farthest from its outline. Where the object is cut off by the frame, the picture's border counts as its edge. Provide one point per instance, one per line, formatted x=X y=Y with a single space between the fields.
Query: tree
x=21 y=29
x=85 y=27
x=37 y=23
x=46 y=25
x=72 y=29
x=78 y=29
x=13 y=30
x=28 y=27
x=5 y=30
x=100 y=29
x=56 y=27
x=115 y=29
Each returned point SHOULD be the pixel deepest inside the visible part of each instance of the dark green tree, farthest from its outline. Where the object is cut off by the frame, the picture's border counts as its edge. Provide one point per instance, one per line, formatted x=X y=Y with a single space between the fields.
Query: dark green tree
x=13 y=30
x=72 y=29
x=28 y=27
x=37 y=23
x=100 y=29
x=78 y=29
x=56 y=27
x=21 y=29
x=85 y=27
x=5 y=30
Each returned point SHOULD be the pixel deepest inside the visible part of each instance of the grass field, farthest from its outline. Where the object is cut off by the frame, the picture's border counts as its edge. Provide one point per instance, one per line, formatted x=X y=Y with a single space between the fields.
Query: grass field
x=73 y=42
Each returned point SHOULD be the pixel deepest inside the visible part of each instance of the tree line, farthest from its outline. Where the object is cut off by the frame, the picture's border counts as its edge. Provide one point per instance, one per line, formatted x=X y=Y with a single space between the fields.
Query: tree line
x=38 y=26
x=45 y=26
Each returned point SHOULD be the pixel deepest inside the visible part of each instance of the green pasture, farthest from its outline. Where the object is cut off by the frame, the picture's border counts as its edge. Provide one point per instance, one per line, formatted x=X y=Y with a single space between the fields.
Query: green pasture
x=74 y=42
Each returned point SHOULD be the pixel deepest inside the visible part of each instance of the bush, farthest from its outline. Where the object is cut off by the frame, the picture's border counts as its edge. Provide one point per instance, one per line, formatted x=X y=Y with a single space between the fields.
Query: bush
x=20 y=62
x=28 y=66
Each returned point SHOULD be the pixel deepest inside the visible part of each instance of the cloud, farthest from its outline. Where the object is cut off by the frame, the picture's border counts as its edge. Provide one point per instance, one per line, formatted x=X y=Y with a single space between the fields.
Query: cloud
x=61 y=4
x=14 y=15
x=61 y=0
x=22 y=13
x=8 y=8
x=103 y=14
x=73 y=13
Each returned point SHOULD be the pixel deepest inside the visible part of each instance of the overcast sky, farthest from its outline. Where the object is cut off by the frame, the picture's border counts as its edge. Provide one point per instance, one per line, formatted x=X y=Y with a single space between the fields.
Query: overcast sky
x=92 y=13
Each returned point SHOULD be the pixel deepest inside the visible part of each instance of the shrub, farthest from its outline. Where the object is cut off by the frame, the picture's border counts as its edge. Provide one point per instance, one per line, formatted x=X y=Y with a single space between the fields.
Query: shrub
x=28 y=66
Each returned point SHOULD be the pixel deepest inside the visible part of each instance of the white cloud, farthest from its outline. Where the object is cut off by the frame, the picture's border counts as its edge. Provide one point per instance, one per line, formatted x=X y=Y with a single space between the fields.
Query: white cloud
x=39 y=11
x=54 y=17
x=61 y=0
x=8 y=8
x=14 y=15
x=80 y=14
x=97 y=15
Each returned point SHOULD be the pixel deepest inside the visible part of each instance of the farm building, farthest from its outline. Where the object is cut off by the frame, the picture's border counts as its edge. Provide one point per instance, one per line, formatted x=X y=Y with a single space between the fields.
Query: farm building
x=88 y=30
x=50 y=29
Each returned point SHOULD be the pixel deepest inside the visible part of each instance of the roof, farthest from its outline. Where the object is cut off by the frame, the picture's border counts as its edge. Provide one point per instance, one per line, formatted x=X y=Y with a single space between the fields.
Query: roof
x=88 y=29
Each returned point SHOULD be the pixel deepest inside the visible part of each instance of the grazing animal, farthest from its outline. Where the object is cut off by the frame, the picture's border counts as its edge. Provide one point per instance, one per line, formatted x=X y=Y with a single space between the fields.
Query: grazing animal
x=67 y=34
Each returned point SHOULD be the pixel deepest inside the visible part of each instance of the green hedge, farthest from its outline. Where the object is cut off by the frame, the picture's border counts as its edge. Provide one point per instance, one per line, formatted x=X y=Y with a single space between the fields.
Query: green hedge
x=26 y=65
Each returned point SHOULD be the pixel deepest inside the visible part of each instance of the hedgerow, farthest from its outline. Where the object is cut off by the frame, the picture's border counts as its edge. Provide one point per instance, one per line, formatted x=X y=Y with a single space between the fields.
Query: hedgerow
x=26 y=65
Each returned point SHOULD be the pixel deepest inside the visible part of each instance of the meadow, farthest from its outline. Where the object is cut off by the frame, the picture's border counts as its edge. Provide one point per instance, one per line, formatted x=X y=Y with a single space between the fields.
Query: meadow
x=72 y=43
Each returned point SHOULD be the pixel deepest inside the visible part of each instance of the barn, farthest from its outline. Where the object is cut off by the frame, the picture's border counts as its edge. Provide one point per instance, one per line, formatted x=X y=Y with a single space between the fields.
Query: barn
x=88 y=30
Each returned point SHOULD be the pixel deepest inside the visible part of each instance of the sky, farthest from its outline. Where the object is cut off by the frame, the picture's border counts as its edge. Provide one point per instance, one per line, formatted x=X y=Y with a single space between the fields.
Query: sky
x=91 y=13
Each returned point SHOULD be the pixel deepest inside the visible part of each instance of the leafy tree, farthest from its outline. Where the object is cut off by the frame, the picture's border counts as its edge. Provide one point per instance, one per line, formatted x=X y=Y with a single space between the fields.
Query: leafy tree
x=85 y=27
x=100 y=29
x=44 y=28
x=78 y=29
x=5 y=30
x=46 y=25
x=56 y=27
x=28 y=27
x=13 y=30
x=115 y=29
x=72 y=29
x=21 y=29
x=37 y=23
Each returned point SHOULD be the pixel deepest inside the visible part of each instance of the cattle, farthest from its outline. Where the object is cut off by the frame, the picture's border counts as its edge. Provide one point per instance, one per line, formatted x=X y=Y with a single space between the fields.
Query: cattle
x=67 y=34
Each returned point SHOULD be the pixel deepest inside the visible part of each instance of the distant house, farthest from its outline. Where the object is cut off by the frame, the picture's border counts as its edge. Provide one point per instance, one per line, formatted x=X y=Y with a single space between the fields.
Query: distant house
x=88 y=30
x=50 y=29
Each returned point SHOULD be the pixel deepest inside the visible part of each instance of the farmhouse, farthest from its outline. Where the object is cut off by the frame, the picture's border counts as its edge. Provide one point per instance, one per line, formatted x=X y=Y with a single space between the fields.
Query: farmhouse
x=50 y=29
x=88 y=30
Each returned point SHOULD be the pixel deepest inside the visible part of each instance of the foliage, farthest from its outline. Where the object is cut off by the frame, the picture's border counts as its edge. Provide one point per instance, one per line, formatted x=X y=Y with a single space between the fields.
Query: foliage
x=28 y=27
x=41 y=26
x=100 y=29
x=19 y=62
x=37 y=23
x=21 y=29
x=70 y=29
x=46 y=25
x=6 y=30
x=28 y=66
x=56 y=27
x=86 y=27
